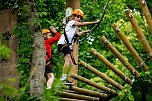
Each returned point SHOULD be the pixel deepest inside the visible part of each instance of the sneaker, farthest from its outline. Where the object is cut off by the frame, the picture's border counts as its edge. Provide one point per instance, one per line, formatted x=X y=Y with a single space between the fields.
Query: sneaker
x=48 y=87
x=63 y=77
x=67 y=83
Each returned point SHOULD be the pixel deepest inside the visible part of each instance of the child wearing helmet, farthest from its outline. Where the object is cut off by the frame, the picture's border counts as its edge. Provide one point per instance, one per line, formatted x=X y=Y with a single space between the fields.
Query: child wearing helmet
x=47 y=33
x=70 y=31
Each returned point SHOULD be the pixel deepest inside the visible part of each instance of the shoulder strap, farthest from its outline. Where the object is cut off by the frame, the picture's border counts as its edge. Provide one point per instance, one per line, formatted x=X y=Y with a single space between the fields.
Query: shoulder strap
x=66 y=38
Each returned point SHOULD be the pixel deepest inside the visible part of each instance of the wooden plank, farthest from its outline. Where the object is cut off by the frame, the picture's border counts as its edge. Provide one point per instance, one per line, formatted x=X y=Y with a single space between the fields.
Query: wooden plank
x=120 y=57
x=80 y=78
x=112 y=67
x=146 y=12
x=130 y=48
x=102 y=75
x=139 y=32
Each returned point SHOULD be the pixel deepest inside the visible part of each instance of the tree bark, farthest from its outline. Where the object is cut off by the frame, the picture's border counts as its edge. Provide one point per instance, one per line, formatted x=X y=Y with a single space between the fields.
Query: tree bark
x=8 y=72
x=38 y=55
x=74 y=4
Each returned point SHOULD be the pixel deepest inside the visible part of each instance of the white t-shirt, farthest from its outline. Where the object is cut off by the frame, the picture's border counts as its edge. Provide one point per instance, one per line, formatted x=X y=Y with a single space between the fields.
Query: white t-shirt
x=70 y=32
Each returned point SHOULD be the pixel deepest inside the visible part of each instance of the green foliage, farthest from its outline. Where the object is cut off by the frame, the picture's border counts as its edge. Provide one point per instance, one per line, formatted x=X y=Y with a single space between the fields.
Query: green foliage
x=8 y=92
x=4 y=52
x=51 y=12
x=24 y=51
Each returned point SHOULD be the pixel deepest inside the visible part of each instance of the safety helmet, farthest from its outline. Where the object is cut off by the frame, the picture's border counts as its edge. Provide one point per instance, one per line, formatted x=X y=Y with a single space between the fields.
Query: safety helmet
x=78 y=12
x=44 y=31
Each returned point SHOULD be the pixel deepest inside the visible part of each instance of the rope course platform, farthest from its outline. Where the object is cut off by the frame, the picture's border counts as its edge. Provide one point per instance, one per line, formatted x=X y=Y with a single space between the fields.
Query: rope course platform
x=75 y=93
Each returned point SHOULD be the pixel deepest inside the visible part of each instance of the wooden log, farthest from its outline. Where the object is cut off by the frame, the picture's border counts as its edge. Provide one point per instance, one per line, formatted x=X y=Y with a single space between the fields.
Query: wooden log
x=130 y=48
x=112 y=67
x=102 y=75
x=68 y=99
x=89 y=92
x=139 y=33
x=146 y=12
x=120 y=57
x=78 y=96
x=80 y=78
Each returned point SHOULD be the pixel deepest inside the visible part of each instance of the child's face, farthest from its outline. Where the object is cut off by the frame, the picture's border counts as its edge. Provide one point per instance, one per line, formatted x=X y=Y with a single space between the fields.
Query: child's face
x=78 y=18
x=47 y=36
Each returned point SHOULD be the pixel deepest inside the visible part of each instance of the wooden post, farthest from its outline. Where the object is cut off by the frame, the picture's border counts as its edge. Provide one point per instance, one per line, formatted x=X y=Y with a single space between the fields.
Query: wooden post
x=80 y=78
x=130 y=48
x=120 y=57
x=74 y=4
x=146 y=12
x=139 y=33
x=102 y=75
x=78 y=96
x=89 y=92
x=114 y=69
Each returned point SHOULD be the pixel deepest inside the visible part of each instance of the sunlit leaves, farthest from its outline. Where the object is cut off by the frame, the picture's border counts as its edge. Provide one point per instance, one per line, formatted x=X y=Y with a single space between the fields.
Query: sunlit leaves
x=4 y=52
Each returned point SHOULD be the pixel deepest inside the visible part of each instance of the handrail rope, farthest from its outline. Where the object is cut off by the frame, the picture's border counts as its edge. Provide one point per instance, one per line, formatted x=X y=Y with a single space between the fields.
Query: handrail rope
x=93 y=29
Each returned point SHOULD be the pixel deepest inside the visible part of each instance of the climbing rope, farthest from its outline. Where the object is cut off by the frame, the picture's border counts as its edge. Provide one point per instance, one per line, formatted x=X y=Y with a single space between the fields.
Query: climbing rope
x=93 y=29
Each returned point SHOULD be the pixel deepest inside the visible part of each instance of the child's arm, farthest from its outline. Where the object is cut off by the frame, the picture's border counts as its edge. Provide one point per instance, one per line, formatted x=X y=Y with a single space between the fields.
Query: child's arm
x=79 y=24
x=80 y=33
x=57 y=35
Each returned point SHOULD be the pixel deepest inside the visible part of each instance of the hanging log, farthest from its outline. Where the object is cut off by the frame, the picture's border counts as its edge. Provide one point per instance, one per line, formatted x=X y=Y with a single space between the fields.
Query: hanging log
x=146 y=12
x=80 y=78
x=130 y=48
x=114 y=69
x=102 y=75
x=139 y=33
x=89 y=92
x=120 y=57
x=68 y=99
x=78 y=96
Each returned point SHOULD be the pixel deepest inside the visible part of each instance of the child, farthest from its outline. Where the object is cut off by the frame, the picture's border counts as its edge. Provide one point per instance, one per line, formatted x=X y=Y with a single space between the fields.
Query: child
x=65 y=44
x=48 y=44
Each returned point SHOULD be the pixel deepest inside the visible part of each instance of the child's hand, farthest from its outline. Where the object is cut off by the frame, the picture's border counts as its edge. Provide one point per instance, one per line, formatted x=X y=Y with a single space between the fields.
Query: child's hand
x=53 y=29
x=86 y=31
x=97 y=21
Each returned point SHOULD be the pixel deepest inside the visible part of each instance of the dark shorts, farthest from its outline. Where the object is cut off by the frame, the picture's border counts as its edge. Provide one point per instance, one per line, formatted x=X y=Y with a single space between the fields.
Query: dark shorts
x=64 y=48
x=48 y=67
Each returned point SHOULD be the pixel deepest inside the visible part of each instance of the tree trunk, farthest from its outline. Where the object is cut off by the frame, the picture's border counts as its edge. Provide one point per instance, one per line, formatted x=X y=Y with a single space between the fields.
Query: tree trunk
x=38 y=55
x=8 y=72
x=74 y=4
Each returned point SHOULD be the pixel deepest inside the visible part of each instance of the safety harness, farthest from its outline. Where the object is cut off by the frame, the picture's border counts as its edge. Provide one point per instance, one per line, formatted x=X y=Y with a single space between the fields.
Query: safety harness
x=50 y=60
x=75 y=38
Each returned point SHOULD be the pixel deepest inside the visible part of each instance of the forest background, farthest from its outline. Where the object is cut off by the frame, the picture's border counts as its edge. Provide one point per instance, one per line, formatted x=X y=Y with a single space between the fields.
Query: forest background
x=51 y=13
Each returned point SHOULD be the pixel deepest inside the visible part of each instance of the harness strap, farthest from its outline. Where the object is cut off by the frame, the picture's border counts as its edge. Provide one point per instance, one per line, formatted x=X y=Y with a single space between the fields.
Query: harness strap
x=66 y=38
x=48 y=63
x=72 y=58
x=71 y=55
x=68 y=44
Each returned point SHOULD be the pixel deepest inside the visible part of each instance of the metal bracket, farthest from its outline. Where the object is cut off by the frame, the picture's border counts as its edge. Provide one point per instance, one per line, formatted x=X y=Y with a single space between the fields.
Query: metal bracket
x=130 y=15
x=126 y=78
x=95 y=53
x=86 y=65
x=117 y=29
x=106 y=41
x=134 y=71
x=143 y=2
x=142 y=64
x=150 y=54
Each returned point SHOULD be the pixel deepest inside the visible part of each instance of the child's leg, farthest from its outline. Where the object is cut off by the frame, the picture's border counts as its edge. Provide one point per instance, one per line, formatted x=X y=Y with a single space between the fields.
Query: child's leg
x=66 y=67
x=67 y=63
x=50 y=80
